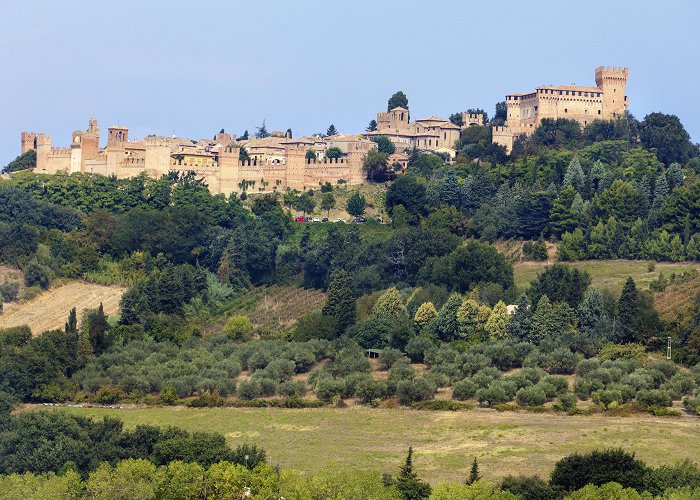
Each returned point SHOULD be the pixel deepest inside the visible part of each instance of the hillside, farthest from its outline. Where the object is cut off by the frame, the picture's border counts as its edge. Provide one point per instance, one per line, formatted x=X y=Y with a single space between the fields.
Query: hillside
x=50 y=309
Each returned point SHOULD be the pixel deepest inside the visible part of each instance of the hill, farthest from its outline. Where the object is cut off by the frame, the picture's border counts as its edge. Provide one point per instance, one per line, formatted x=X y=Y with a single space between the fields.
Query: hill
x=50 y=309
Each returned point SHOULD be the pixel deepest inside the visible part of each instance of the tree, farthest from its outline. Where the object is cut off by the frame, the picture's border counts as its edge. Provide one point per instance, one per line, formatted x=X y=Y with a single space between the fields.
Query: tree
x=327 y=202
x=37 y=274
x=334 y=152
x=96 y=327
x=262 y=131
x=408 y=484
x=390 y=305
x=310 y=155
x=305 y=203
x=26 y=160
x=372 y=126
x=446 y=325
x=497 y=324
x=72 y=323
x=340 y=303
x=356 y=204
x=561 y=217
x=239 y=328
x=398 y=100
x=425 y=315
x=561 y=283
x=456 y=118
x=666 y=134
x=474 y=475
x=406 y=190
x=375 y=166
x=597 y=468
x=674 y=176
x=574 y=176
x=501 y=112
x=472 y=318
x=519 y=324
x=331 y=130
x=245 y=136
x=551 y=320
x=384 y=144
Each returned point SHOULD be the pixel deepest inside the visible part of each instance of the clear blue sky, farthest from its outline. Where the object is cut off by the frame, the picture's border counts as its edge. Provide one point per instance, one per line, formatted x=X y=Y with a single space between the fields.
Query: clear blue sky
x=193 y=67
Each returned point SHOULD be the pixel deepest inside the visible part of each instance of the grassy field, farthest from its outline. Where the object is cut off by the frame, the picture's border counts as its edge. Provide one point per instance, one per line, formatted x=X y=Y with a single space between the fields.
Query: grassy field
x=49 y=310
x=445 y=442
x=606 y=273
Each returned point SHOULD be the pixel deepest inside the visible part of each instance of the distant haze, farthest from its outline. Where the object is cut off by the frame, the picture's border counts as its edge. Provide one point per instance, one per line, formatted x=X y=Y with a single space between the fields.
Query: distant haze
x=192 y=68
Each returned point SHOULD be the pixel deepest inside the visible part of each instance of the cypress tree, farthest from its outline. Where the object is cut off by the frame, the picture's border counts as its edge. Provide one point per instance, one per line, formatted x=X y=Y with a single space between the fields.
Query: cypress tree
x=519 y=326
x=408 y=484
x=474 y=475
x=628 y=309
x=72 y=323
x=446 y=324
x=340 y=303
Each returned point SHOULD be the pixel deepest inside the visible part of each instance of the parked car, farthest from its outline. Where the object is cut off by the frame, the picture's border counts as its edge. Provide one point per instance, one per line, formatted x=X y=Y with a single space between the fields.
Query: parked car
x=325 y=219
x=316 y=219
x=340 y=219
x=307 y=219
x=300 y=219
x=379 y=219
x=359 y=219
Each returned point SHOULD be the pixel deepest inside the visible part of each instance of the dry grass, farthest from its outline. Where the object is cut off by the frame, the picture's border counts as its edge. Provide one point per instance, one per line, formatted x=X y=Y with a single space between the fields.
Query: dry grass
x=606 y=273
x=50 y=309
x=445 y=442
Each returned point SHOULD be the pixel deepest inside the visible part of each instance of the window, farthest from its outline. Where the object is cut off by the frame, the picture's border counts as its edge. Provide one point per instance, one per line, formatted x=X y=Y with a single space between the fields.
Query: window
x=598 y=111
x=566 y=110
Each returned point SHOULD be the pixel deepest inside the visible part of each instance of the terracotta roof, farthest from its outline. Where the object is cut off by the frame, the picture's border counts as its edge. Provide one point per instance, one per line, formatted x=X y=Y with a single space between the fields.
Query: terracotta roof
x=398 y=108
x=431 y=119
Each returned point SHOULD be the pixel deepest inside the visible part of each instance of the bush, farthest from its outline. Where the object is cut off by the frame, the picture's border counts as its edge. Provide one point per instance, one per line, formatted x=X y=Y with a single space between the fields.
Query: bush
x=108 y=395
x=410 y=391
x=388 y=356
x=36 y=274
x=692 y=405
x=654 y=397
x=249 y=389
x=9 y=291
x=169 y=395
x=206 y=400
x=560 y=361
x=529 y=488
x=371 y=390
x=464 y=389
x=492 y=395
x=402 y=370
x=441 y=405
x=326 y=388
x=290 y=388
x=239 y=328
x=608 y=398
x=567 y=401
x=597 y=468
x=530 y=396
x=417 y=347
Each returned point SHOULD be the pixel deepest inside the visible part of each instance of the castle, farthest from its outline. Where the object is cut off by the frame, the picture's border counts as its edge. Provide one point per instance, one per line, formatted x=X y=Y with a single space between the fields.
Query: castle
x=605 y=101
x=273 y=163
x=426 y=134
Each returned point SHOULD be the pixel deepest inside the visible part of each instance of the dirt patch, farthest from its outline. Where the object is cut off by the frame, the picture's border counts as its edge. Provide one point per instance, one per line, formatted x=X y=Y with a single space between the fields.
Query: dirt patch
x=49 y=310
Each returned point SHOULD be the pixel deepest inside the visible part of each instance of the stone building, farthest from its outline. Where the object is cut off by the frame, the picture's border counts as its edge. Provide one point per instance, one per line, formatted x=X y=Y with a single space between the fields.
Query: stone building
x=427 y=134
x=273 y=164
x=584 y=104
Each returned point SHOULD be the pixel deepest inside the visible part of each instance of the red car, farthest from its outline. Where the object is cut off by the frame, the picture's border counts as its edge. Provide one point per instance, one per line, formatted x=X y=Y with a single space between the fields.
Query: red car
x=300 y=219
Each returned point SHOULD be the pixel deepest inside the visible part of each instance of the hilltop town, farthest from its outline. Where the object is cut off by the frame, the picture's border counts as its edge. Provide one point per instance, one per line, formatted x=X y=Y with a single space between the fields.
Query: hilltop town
x=277 y=161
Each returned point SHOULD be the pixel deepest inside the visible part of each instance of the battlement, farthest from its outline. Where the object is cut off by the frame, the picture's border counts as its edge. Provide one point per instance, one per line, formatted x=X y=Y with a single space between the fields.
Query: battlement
x=501 y=129
x=612 y=70
x=60 y=152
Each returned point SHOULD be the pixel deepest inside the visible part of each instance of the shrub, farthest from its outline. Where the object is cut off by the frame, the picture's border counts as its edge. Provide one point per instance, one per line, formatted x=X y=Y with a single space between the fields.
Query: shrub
x=417 y=347
x=636 y=352
x=36 y=274
x=9 y=291
x=485 y=376
x=410 y=391
x=239 y=328
x=402 y=370
x=290 y=388
x=662 y=411
x=567 y=401
x=326 y=388
x=441 y=405
x=473 y=362
x=369 y=390
x=169 y=395
x=529 y=488
x=607 y=397
x=654 y=397
x=492 y=395
x=464 y=389
x=388 y=356
x=598 y=467
x=206 y=400
x=692 y=405
x=530 y=396
x=108 y=395
x=561 y=385
x=248 y=389
x=268 y=386
x=560 y=361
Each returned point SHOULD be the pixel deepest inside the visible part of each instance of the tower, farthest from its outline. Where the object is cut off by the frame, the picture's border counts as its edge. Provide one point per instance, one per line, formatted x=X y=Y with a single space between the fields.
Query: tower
x=28 y=142
x=612 y=81
x=43 y=148
x=117 y=134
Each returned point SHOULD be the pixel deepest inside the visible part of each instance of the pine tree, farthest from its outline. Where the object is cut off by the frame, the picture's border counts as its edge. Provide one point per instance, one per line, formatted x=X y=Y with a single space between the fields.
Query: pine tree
x=449 y=193
x=340 y=303
x=398 y=100
x=372 y=126
x=474 y=475
x=628 y=309
x=262 y=131
x=574 y=176
x=497 y=324
x=389 y=305
x=446 y=325
x=425 y=315
x=408 y=484
x=356 y=204
x=598 y=175
x=72 y=323
x=674 y=176
x=661 y=188
x=519 y=325
x=591 y=312
x=331 y=130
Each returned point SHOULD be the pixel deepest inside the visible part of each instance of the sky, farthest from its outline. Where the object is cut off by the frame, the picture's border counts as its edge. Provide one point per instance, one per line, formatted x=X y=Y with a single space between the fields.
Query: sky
x=191 y=68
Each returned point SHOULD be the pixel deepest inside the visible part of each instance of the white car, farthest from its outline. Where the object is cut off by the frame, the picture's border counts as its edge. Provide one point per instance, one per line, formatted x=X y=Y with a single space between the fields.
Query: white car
x=316 y=219
x=340 y=219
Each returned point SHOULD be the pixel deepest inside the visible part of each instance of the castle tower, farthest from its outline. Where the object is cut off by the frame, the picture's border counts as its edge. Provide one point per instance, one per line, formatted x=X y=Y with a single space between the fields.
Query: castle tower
x=117 y=134
x=28 y=142
x=43 y=148
x=612 y=81
x=229 y=168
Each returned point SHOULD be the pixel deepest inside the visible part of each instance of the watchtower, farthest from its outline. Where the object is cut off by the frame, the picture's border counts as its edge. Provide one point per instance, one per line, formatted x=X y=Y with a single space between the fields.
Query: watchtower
x=117 y=134
x=28 y=142
x=612 y=81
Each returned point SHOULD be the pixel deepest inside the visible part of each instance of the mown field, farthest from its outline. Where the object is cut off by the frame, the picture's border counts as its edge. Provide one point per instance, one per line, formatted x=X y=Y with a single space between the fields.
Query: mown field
x=606 y=273
x=445 y=442
x=50 y=309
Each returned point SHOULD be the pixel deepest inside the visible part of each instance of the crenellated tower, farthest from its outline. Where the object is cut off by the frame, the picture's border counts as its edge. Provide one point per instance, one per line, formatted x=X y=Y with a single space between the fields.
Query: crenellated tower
x=612 y=81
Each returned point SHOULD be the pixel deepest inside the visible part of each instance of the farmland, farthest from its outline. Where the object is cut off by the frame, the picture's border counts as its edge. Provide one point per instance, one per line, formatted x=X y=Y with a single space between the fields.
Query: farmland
x=50 y=309
x=445 y=442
